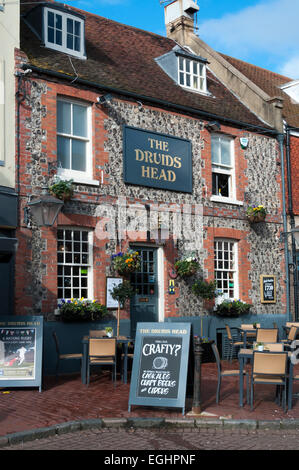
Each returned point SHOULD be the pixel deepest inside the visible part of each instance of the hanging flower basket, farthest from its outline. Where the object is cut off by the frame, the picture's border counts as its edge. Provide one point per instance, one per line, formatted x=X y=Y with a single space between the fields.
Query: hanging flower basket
x=126 y=263
x=256 y=214
x=186 y=267
x=232 y=308
x=62 y=189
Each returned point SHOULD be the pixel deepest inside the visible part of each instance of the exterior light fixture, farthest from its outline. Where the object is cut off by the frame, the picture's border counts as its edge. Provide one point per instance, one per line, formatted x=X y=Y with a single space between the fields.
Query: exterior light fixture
x=44 y=210
x=213 y=126
x=105 y=99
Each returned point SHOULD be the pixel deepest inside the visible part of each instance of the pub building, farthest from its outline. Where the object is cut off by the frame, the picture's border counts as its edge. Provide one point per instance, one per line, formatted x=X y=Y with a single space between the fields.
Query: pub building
x=164 y=160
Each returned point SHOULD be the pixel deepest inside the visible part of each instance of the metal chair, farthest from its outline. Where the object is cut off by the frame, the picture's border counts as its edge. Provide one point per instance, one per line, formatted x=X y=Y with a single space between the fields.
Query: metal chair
x=97 y=334
x=233 y=344
x=274 y=347
x=250 y=330
x=267 y=335
x=60 y=356
x=227 y=373
x=292 y=335
x=269 y=368
x=102 y=352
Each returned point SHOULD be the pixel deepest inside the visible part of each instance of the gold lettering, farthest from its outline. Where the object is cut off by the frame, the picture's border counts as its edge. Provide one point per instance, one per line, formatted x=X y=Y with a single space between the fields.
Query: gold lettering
x=171 y=176
x=157 y=158
x=139 y=155
x=148 y=156
x=167 y=160
x=154 y=173
x=178 y=163
x=145 y=172
x=158 y=144
x=163 y=175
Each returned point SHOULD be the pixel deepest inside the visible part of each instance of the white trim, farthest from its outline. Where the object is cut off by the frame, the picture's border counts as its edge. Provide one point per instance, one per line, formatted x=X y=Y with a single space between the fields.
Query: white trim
x=191 y=74
x=161 y=287
x=79 y=176
x=234 y=270
x=225 y=169
x=226 y=200
x=63 y=47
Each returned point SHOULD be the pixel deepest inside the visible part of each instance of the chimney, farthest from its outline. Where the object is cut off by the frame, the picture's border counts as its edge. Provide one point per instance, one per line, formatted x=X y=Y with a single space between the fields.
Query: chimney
x=179 y=19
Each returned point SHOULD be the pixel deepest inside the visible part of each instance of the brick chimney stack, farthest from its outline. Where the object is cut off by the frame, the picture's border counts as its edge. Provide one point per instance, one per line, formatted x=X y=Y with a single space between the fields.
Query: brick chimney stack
x=179 y=20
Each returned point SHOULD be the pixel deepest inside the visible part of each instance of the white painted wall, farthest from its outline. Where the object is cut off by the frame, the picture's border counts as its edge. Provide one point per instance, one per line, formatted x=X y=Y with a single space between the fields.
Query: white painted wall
x=9 y=40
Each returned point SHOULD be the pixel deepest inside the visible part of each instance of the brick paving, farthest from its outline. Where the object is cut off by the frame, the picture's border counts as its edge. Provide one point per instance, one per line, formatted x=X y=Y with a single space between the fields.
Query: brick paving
x=66 y=399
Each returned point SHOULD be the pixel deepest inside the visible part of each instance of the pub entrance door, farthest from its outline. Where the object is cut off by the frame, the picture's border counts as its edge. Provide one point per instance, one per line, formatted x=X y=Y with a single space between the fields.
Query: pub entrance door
x=144 y=304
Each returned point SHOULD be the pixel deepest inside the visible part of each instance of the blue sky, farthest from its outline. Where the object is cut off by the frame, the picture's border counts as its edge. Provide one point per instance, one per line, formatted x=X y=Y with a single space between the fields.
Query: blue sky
x=262 y=32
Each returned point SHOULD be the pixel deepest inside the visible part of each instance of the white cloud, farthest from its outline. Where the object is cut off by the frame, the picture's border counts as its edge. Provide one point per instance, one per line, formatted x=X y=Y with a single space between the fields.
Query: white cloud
x=291 y=68
x=270 y=27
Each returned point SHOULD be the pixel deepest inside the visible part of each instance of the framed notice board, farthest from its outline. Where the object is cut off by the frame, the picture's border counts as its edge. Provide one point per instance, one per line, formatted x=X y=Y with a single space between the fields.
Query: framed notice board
x=268 y=288
x=160 y=365
x=21 y=350
x=112 y=282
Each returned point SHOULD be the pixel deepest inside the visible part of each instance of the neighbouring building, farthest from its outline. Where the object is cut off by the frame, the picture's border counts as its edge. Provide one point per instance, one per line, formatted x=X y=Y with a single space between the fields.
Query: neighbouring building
x=9 y=36
x=164 y=158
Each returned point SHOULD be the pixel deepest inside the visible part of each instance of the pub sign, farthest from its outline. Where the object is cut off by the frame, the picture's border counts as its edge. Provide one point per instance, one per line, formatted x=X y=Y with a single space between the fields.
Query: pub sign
x=157 y=160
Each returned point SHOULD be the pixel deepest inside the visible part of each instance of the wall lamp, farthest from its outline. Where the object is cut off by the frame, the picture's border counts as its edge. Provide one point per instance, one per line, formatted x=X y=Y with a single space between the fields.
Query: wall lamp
x=104 y=99
x=44 y=210
x=213 y=126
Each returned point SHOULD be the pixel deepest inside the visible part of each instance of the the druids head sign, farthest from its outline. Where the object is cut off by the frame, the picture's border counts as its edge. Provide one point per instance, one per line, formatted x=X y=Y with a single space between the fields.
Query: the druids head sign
x=157 y=160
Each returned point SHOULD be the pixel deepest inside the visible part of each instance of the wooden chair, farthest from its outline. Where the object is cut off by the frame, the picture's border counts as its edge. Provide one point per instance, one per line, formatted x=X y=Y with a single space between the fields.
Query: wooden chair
x=274 y=347
x=250 y=335
x=97 y=334
x=292 y=335
x=102 y=352
x=269 y=368
x=227 y=373
x=267 y=335
x=60 y=356
x=233 y=344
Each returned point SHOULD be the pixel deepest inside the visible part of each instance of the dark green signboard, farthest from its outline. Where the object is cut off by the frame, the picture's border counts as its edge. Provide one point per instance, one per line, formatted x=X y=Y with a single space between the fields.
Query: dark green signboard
x=21 y=346
x=160 y=365
x=157 y=160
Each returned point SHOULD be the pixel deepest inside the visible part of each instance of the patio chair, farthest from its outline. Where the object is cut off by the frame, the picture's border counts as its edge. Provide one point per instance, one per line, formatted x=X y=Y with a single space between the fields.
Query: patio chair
x=97 y=333
x=102 y=352
x=269 y=368
x=274 y=347
x=267 y=335
x=232 y=343
x=74 y=356
x=250 y=335
x=227 y=373
x=292 y=335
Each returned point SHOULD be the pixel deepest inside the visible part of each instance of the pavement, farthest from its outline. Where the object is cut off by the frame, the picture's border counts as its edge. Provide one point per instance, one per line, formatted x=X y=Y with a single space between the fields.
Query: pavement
x=65 y=405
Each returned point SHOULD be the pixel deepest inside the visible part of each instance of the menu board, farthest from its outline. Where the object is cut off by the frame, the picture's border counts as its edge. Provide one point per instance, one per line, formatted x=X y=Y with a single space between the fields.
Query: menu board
x=268 y=289
x=160 y=365
x=21 y=341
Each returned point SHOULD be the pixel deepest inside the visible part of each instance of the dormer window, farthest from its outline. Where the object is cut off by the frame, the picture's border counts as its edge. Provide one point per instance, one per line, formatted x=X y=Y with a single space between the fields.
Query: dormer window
x=64 y=32
x=192 y=74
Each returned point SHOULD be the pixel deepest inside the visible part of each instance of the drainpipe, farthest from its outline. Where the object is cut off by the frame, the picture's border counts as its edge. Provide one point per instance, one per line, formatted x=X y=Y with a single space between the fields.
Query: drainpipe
x=280 y=139
x=292 y=219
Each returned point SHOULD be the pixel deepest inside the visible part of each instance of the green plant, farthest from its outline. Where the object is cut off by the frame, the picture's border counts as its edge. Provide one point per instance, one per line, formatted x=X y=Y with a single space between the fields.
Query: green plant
x=125 y=263
x=255 y=213
x=232 y=308
x=186 y=267
x=62 y=189
x=81 y=310
x=108 y=329
x=205 y=289
x=122 y=292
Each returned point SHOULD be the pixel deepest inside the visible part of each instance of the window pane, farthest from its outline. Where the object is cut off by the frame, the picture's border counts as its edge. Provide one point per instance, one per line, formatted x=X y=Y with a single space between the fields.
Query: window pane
x=79 y=120
x=181 y=79
x=225 y=152
x=195 y=83
x=51 y=35
x=215 y=150
x=181 y=63
x=77 y=44
x=188 y=81
x=187 y=65
x=70 y=26
x=78 y=155
x=63 y=152
x=70 y=41
x=223 y=185
x=58 y=38
x=63 y=117
x=77 y=28
x=58 y=21
x=195 y=68
x=50 y=19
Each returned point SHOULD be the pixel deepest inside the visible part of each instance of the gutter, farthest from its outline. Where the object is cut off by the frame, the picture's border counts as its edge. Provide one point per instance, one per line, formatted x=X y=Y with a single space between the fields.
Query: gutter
x=139 y=97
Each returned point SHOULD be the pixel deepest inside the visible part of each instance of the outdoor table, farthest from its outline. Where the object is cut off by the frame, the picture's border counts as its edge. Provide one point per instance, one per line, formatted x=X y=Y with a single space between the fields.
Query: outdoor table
x=245 y=331
x=248 y=354
x=123 y=340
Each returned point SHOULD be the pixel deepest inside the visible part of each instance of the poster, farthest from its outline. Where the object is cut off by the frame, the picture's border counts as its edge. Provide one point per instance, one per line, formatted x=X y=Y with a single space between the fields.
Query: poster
x=111 y=282
x=21 y=347
x=160 y=365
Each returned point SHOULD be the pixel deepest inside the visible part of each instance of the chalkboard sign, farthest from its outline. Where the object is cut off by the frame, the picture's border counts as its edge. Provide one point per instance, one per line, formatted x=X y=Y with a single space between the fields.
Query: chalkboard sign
x=160 y=365
x=21 y=346
x=268 y=289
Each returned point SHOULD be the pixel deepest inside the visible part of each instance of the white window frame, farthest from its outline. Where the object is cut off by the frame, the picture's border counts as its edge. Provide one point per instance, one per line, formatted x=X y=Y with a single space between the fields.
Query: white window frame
x=89 y=265
x=63 y=47
x=192 y=75
x=224 y=169
x=231 y=269
x=78 y=176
